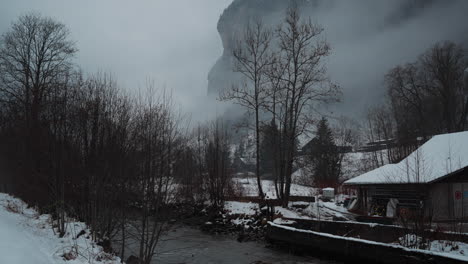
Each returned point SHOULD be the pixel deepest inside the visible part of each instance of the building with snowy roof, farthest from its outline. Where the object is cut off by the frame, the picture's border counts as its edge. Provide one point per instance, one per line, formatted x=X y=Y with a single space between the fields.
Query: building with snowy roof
x=434 y=178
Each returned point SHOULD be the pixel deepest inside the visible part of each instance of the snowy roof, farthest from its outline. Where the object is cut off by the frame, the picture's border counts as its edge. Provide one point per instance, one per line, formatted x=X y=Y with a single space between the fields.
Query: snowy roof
x=438 y=157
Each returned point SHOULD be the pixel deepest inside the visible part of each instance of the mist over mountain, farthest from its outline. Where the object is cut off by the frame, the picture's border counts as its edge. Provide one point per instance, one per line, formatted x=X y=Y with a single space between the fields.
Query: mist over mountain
x=367 y=37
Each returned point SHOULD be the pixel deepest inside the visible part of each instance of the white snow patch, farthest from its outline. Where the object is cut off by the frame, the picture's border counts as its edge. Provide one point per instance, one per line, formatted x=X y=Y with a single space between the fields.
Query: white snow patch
x=27 y=237
x=239 y=208
x=450 y=248
x=328 y=211
x=281 y=221
x=288 y=213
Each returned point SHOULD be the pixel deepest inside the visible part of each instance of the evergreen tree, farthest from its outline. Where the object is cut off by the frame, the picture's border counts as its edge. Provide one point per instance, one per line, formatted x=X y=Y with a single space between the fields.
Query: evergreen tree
x=325 y=157
x=269 y=136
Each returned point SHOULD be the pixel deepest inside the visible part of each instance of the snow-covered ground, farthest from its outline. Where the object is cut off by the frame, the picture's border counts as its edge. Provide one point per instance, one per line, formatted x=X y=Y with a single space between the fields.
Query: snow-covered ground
x=27 y=237
x=239 y=208
x=248 y=187
x=450 y=248
x=328 y=211
x=296 y=210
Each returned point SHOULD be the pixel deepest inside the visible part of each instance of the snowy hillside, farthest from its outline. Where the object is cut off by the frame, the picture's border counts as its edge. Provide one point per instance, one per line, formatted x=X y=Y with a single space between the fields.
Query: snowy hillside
x=27 y=237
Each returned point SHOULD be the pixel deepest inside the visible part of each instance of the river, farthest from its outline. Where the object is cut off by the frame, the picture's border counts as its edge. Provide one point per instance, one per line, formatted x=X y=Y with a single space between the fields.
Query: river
x=189 y=245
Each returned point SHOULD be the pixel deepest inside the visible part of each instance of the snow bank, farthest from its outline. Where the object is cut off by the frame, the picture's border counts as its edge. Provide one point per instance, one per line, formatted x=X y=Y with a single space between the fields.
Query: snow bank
x=27 y=237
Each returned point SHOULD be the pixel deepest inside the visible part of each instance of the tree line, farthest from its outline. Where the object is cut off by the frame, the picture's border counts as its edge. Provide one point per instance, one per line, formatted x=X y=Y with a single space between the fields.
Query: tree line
x=424 y=98
x=78 y=146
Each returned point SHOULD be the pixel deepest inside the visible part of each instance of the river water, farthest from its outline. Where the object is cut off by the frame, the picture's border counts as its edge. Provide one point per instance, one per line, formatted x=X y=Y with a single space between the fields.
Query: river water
x=189 y=245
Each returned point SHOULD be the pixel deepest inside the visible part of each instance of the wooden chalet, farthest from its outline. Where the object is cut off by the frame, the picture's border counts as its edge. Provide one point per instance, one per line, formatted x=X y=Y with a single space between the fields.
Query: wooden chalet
x=433 y=180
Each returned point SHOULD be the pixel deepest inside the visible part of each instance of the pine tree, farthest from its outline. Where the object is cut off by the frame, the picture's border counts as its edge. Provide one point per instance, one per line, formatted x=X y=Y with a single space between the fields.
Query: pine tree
x=269 y=136
x=325 y=157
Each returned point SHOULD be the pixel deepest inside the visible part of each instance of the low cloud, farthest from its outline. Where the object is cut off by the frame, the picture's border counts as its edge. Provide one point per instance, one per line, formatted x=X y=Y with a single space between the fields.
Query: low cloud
x=173 y=43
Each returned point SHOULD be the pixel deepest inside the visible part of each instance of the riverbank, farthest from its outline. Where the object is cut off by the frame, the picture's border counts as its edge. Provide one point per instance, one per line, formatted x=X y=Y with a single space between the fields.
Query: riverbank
x=28 y=237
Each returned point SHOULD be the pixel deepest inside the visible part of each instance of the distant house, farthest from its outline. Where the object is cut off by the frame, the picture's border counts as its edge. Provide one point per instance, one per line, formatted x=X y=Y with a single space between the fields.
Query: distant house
x=434 y=178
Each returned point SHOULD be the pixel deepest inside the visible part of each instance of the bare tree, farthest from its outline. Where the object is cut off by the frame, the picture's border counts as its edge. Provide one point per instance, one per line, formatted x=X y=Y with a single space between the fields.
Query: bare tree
x=346 y=135
x=189 y=173
x=252 y=58
x=445 y=64
x=276 y=86
x=408 y=92
x=59 y=111
x=304 y=81
x=380 y=128
x=427 y=89
x=36 y=82
x=156 y=134
x=217 y=163
x=101 y=135
x=35 y=55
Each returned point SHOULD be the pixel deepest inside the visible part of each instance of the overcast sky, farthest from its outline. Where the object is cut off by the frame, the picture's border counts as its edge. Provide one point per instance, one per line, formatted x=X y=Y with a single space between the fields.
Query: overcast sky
x=173 y=42
x=369 y=37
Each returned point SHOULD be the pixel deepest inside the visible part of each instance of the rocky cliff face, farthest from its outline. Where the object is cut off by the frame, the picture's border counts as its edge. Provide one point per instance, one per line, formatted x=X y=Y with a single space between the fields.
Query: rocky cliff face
x=368 y=37
x=230 y=25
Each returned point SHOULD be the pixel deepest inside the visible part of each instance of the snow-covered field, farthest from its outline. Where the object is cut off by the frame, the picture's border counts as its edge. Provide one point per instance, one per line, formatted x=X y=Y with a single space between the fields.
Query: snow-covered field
x=248 y=187
x=27 y=237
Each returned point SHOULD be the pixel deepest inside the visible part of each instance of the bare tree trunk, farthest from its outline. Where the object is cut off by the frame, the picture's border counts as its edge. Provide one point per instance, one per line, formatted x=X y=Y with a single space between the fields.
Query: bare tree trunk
x=251 y=60
x=257 y=155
